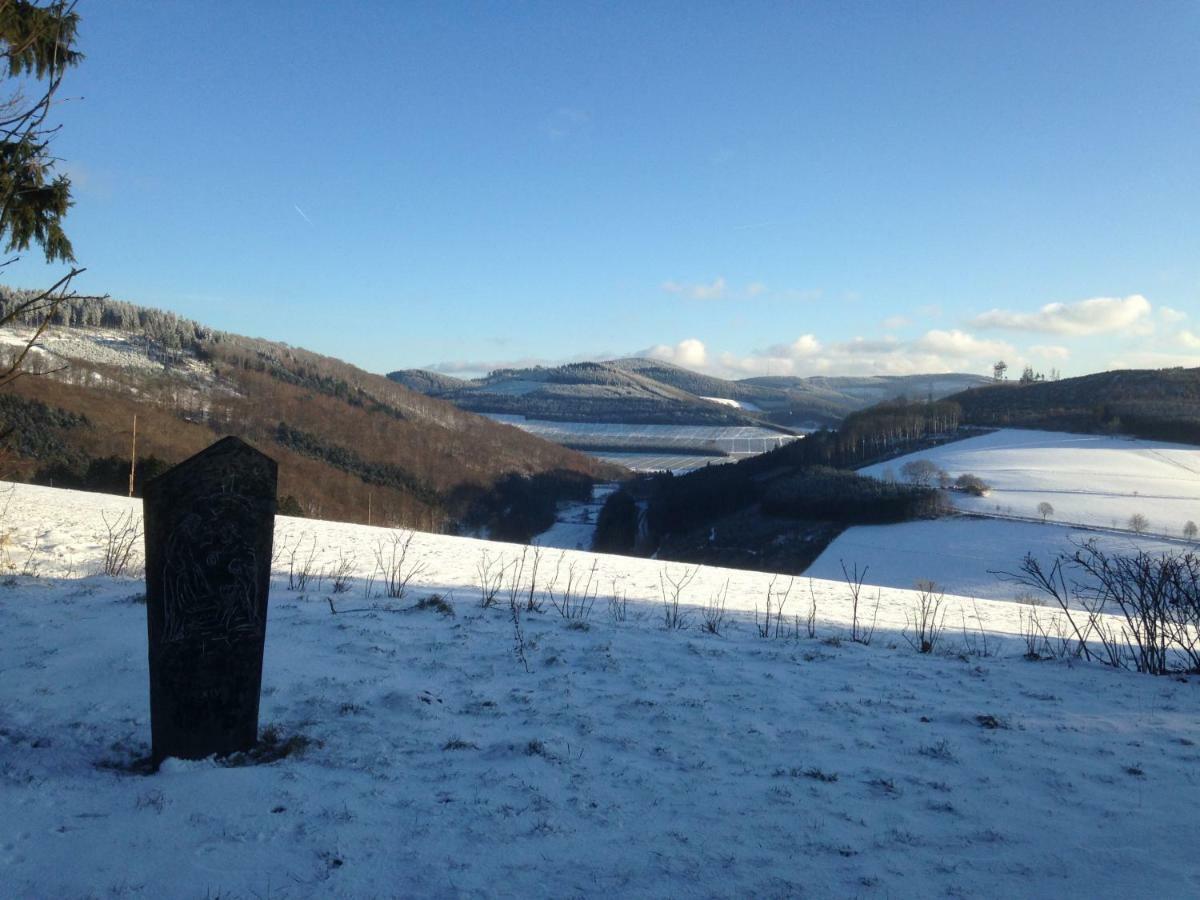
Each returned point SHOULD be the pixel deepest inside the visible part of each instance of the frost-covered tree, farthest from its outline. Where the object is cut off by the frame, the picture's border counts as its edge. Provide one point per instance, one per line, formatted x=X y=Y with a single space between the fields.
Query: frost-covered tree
x=1045 y=510
x=1190 y=530
x=1138 y=523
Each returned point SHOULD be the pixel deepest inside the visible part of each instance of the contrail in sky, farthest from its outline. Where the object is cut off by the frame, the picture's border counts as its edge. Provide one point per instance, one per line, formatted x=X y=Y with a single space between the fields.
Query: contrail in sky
x=303 y=215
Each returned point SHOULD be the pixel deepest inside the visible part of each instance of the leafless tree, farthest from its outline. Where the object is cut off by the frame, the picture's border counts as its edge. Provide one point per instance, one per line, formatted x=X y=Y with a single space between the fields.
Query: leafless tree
x=927 y=617
x=922 y=472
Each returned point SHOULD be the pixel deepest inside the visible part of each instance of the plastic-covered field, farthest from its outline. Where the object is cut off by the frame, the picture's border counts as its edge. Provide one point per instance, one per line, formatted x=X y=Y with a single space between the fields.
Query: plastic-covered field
x=740 y=439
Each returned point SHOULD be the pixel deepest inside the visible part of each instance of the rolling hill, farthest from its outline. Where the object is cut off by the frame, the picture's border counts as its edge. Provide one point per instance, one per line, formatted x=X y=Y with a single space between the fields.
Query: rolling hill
x=350 y=445
x=1151 y=403
x=647 y=391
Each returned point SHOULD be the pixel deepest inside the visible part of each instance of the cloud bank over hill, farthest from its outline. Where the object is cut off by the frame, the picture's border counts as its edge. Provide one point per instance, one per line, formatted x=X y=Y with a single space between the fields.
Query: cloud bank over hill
x=1090 y=335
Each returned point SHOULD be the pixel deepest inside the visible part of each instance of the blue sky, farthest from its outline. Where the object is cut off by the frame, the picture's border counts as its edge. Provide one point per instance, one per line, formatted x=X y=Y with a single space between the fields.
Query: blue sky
x=746 y=188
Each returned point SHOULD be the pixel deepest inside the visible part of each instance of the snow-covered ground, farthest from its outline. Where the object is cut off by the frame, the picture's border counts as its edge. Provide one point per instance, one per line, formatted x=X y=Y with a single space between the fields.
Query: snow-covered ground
x=1091 y=481
x=1087 y=479
x=961 y=554
x=629 y=760
x=575 y=524
x=103 y=346
x=736 y=404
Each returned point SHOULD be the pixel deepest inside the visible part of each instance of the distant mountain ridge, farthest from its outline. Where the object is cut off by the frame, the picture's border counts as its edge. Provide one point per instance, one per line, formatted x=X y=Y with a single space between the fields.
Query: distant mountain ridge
x=647 y=391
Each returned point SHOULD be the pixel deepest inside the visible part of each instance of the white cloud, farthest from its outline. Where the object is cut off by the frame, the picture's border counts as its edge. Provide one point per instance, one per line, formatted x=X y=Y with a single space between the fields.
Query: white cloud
x=1151 y=359
x=1189 y=339
x=690 y=353
x=891 y=323
x=1098 y=315
x=755 y=288
x=1049 y=351
x=805 y=345
x=1171 y=316
x=960 y=345
x=713 y=290
x=935 y=351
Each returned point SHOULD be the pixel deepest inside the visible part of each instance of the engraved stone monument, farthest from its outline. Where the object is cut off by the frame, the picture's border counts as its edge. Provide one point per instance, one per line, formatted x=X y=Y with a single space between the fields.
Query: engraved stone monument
x=209 y=524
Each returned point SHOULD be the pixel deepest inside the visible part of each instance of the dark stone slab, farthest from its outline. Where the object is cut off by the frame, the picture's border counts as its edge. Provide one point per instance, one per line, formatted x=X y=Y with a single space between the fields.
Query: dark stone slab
x=209 y=525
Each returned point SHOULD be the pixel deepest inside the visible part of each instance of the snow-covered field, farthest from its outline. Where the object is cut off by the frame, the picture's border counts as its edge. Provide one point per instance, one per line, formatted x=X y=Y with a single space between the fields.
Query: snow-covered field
x=1088 y=479
x=1091 y=481
x=961 y=554
x=735 y=439
x=629 y=760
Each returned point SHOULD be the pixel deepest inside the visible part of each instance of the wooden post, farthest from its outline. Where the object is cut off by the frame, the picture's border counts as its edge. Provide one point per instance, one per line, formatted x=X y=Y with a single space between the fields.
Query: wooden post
x=133 y=455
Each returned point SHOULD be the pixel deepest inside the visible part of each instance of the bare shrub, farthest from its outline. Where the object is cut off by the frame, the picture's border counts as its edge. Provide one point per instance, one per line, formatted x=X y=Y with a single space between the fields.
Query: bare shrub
x=976 y=641
x=396 y=564
x=516 y=578
x=772 y=623
x=810 y=622
x=489 y=579
x=927 y=618
x=120 y=537
x=436 y=602
x=514 y=612
x=31 y=567
x=860 y=632
x=1032 y=633
x=1155 y=603
x=340 y=572
x=578 y=597
x=672 y=587
x=971 y=484
x=302 y=567
x=532 y=603
x=618 y=604
x=714 y=611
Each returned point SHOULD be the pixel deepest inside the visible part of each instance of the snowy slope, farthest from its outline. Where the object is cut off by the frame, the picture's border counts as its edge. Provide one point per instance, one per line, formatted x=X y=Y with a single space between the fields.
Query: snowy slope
x=1091 y=481
x=1088 y=479
x=630 y=760
x=961 y=554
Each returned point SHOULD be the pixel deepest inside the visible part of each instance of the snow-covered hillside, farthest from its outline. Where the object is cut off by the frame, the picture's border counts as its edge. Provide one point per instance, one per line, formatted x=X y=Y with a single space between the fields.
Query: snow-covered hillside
x=1098 y=483
x=963 y=554
x=1087 y=479
x=627 y=759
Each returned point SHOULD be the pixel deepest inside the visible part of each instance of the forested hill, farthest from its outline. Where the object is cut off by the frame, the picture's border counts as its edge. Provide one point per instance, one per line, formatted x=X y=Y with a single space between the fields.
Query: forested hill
x=639 y=390
x=578 y=392
x=351 y=445
x=1153 y=403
